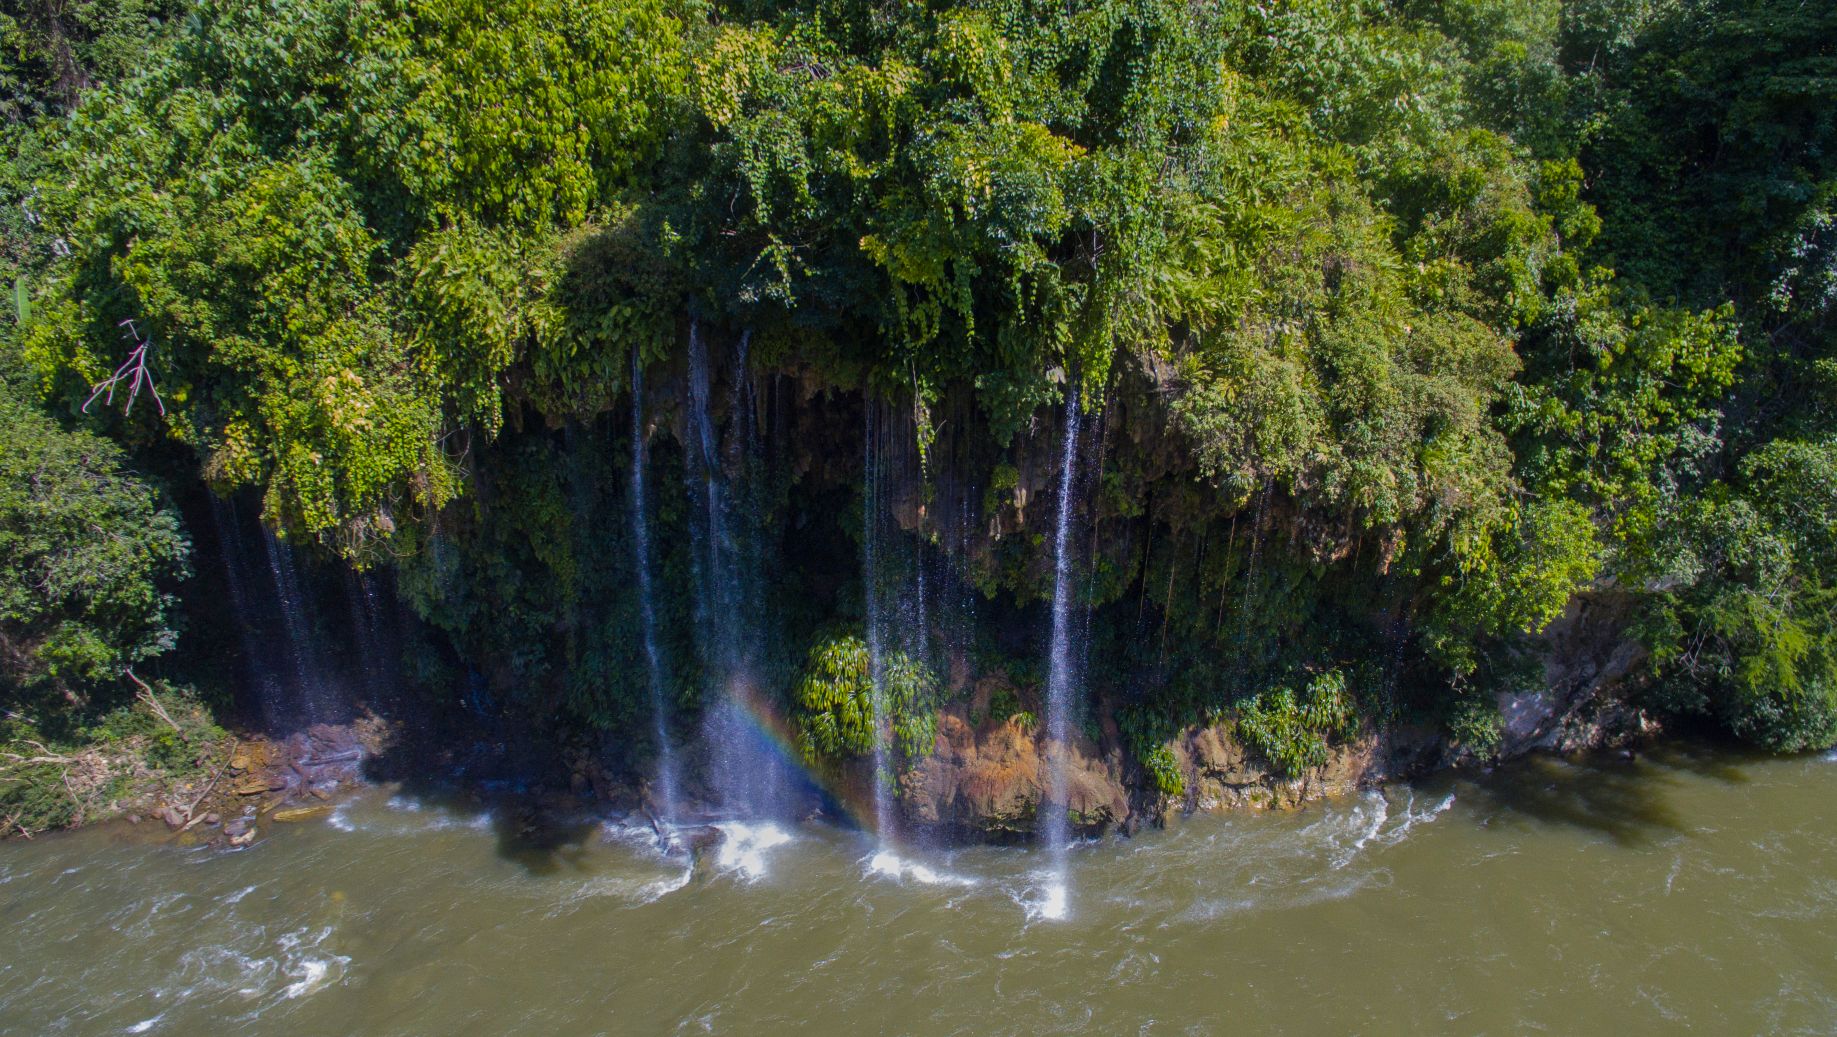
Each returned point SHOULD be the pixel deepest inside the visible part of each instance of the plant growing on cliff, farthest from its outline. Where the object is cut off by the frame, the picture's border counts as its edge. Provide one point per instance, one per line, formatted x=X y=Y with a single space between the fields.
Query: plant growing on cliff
x=1293 y=731
x=833 y=702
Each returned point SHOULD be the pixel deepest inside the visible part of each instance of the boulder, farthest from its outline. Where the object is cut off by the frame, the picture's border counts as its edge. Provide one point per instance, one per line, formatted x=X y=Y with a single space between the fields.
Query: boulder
x=1222 y=774
x=991 y=778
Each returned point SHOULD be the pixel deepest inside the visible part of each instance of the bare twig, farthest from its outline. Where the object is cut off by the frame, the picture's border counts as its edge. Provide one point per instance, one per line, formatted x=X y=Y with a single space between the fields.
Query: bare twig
x=48 y=757
x=133 y=371
x=146 y=695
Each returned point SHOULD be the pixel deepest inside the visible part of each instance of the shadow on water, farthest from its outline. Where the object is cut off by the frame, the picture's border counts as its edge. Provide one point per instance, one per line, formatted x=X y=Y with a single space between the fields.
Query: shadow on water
x=1627 y=800
x=468 y=771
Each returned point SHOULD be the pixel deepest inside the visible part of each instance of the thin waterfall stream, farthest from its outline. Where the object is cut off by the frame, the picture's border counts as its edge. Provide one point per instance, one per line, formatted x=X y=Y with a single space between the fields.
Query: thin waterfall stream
x=664 y=805
x=1056 y=809
x=875 y=622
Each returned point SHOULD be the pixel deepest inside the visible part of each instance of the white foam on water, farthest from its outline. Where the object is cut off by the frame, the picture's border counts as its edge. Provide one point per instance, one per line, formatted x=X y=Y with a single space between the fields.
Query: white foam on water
x=1412 y=818
x=1047 y=901
x=662 y=841
x=743 y=847
x=312 y=973
x=146 y=1024
x=437 y=819
x=309 y=972
x=1366 y=824
x=1362 y=823
x=664 y=887
x=633 y=890
x=887 y=864
x=237 y=896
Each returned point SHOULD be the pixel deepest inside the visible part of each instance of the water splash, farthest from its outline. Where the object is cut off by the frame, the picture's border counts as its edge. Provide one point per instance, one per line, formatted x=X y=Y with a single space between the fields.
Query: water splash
x=666 y=804
x=889 y=865
x=1055 y=809
x=743 y=848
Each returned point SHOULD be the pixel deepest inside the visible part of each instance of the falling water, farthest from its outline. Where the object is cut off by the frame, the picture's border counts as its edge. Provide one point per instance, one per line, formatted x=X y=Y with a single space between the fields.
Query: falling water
x=278 y=623
x=746 y=770
x=308 y=675
x=267 y=683
x=1056 y=808
x=376 y=645
x=647 y=611
x=871 y=599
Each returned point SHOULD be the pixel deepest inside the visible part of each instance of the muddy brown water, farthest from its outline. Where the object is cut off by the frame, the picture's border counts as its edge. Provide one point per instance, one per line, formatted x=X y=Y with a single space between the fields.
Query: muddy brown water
x=1685 y=892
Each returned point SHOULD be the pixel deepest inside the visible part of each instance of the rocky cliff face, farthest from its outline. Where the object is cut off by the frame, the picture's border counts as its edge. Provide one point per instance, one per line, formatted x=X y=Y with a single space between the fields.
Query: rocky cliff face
x=987 y=777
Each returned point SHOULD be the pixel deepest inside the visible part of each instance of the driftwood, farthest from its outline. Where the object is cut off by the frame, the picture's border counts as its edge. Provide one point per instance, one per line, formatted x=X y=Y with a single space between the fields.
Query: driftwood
x=347 y=757
x=192 y=816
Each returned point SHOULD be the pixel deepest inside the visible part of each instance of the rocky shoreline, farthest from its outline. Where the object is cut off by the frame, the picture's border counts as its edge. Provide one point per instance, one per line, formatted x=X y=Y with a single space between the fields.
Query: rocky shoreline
x=982 y=782
x=264 y=780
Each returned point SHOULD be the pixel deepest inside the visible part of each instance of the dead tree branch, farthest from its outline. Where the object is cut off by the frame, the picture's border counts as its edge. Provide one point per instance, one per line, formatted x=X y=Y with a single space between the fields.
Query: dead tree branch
x=133 y=371
x=145 y=694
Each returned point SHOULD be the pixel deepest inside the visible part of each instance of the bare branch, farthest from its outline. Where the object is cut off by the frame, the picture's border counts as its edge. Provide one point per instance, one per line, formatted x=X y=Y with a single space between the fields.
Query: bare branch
x=133 y=371
x=146 y=695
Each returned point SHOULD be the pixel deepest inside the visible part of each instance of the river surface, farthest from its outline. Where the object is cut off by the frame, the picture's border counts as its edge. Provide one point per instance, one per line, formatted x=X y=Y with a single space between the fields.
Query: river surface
x=1683 y=892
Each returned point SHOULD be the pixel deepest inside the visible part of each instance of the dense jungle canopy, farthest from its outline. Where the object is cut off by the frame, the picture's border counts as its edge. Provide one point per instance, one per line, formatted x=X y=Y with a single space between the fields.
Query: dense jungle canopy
x=1408 y=322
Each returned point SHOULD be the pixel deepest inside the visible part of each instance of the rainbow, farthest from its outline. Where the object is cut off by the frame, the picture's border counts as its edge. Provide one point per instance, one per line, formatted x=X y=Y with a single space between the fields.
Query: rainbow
x=776 y=731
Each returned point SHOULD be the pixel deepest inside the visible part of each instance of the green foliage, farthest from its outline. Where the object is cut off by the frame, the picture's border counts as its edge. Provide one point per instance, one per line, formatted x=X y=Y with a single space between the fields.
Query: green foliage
x=1147 y=734
x=1292 y=732
x=1476 y=725
x=334 y=224
x=88 y=560
x=833 y=704
x=53 y=52
x=1423 y=317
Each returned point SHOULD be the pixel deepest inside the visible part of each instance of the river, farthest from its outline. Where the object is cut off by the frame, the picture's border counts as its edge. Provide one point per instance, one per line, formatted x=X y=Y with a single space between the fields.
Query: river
x=1686 y=891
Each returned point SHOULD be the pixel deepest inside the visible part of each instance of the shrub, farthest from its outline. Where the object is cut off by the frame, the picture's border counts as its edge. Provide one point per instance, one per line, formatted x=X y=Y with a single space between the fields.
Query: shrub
x=86 y=554
x=1292 y=731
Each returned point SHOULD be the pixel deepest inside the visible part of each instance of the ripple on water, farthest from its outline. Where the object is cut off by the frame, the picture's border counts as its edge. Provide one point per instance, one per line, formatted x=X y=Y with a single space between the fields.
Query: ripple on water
x=294 y=965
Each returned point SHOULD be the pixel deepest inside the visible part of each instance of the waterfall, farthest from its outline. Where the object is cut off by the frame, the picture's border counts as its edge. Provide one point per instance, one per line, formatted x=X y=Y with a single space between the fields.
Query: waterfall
x=264 y=680
x=647 y=610
x=277 y=624
x=1055 y=808
x=875 y=618
x=376 y=645
x=293 y=619
x=746 y=771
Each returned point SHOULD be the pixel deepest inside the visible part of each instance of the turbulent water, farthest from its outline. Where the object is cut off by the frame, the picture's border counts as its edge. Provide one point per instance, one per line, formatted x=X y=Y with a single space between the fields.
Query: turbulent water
x=1688 y=892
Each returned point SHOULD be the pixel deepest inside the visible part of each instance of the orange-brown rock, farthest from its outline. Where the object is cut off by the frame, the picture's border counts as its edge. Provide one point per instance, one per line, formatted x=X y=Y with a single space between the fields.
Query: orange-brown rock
x=991 y=778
